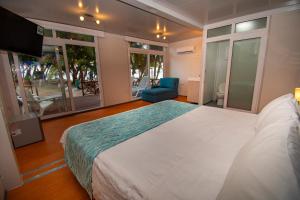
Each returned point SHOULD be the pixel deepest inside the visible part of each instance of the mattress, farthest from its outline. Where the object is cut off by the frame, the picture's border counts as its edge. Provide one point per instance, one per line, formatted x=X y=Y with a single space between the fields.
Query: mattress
x=186 y=158
x=85 y=141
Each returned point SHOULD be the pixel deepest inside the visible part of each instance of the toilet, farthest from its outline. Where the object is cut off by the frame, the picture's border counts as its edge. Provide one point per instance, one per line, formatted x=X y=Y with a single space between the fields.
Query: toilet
x=220 y=94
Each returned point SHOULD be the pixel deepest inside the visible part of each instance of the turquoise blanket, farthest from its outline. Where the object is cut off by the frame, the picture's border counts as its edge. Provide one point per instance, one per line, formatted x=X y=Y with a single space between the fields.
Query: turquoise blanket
x=85 y=141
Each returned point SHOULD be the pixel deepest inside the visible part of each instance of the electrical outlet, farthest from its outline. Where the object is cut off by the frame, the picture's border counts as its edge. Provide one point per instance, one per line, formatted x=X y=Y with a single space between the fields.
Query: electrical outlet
x=16 y=132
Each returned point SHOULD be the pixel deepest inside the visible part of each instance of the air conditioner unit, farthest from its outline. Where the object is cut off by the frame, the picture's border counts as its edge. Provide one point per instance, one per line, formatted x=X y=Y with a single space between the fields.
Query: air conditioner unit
x=184 y=50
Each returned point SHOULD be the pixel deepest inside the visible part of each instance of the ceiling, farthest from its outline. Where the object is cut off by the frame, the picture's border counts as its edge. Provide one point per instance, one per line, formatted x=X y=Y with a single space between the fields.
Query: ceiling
x=183 y=19
x=201 y=12
x=116 y=17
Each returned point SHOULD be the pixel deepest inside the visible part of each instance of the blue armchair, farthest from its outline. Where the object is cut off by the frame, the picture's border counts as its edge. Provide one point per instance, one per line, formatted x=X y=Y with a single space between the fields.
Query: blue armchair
x=167 y=89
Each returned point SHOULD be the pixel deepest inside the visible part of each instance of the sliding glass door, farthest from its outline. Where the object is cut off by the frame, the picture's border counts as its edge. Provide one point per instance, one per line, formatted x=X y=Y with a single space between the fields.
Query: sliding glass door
x=245 y=54
x=215 y=73
x=139 y=72
x=44 y=81
x=83 y=76
x=145 y=71
x=156 y=68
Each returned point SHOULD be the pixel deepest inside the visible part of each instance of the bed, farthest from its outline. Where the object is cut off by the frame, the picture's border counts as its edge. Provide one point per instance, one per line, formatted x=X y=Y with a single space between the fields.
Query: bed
x=187 y=157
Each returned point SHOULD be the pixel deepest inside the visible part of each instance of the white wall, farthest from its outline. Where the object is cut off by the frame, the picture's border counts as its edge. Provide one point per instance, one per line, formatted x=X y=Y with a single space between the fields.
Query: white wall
x=114 y=67
x=185 y=66
x=282 y=64
x=8 y=166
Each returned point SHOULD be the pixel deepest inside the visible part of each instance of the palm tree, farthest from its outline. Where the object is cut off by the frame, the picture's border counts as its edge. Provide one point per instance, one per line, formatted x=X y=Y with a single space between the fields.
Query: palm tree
x=138 y=62
x=82 y=62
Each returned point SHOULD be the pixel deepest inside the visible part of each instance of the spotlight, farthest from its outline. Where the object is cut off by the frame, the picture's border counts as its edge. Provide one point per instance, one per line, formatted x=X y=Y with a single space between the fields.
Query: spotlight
x=157 y=36
x=80 y=4
x=81 y=18
x=97 y=21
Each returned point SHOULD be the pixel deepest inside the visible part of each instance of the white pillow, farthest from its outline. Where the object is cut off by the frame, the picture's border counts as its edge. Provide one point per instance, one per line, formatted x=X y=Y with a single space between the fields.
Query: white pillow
x=281 y=109
x=263 y=169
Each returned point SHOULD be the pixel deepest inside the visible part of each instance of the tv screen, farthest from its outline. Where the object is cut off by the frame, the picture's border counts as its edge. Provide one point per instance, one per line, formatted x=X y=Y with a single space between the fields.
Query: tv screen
x=20 y=35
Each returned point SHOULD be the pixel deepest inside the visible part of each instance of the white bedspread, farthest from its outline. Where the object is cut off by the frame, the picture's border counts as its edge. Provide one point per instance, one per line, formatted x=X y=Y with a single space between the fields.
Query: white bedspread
x=185 y=158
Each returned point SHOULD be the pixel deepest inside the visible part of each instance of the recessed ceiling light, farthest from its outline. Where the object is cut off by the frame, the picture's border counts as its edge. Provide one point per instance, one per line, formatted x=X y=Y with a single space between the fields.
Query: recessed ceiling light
x=80 y=4
x=157 y=27
x=164 y=37
x=81 y=18
x=97 y=21
x=157 y=36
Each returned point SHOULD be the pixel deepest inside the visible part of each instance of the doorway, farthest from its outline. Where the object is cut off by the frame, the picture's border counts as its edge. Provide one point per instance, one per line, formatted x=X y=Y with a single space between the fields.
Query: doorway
x=64 y=80
x=215 y=73
x=233 y=64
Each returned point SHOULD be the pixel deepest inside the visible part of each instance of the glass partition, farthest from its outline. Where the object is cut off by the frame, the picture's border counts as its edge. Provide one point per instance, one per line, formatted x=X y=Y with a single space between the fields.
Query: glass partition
x=139 y=73
x=224 y=30
x=215 y=73
x=243 y=73
x=74 y=36
x=48 y=32
x=156 y=68
x=140 y=45
x=44 y=81
x=251 y=25
x=83 y=76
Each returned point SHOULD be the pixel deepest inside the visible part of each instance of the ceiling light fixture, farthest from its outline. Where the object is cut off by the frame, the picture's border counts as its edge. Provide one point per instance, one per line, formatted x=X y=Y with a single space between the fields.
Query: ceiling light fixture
x=85 y=16
x=157 y=27
x=80 y=4
x=97 y=10
x=161 y=33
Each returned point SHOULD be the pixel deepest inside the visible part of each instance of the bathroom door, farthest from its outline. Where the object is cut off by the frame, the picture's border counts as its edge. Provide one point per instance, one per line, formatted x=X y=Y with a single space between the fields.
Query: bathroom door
x=244 y=74
x=215 y=69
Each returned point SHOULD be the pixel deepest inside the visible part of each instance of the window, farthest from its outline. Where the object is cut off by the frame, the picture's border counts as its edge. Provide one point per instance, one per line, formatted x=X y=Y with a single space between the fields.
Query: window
x=44 y=82
x=251 y=25
x=140 y=45
x=83 y=76
x=48 y=32
x=156 y=48
x=74 y=36
x=156 y=68
x=224 y=30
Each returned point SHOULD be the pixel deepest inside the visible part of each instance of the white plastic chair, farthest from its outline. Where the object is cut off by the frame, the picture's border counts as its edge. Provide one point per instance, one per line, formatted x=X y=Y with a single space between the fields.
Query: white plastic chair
x=144 y=84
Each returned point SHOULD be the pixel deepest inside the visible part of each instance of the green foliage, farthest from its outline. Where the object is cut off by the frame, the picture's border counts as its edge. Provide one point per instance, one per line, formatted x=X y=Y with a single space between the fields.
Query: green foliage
x=156 y=62
x=138 y=62
x=82 y=62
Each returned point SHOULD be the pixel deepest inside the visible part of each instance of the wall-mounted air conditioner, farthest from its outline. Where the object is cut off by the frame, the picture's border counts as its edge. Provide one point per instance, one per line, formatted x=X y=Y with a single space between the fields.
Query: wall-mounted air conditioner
x=184 y=50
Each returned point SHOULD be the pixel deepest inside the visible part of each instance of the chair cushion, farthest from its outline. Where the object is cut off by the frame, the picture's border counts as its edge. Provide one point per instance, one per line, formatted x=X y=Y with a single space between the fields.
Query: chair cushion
x=169 y=83
x=159 y=94
x=158 y=91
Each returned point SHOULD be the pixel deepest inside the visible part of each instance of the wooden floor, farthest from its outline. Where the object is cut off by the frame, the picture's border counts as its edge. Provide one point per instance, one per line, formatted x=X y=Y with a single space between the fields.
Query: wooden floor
x=60 y=184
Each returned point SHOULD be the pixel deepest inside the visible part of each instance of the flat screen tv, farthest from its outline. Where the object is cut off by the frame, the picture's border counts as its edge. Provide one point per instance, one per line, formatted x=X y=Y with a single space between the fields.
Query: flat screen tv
x=20 y=35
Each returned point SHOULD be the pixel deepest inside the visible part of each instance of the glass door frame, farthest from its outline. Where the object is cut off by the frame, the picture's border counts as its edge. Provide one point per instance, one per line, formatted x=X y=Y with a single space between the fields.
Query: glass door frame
x=148 y=53
x=232 y=37
x=259 y=71
x=53 y=41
